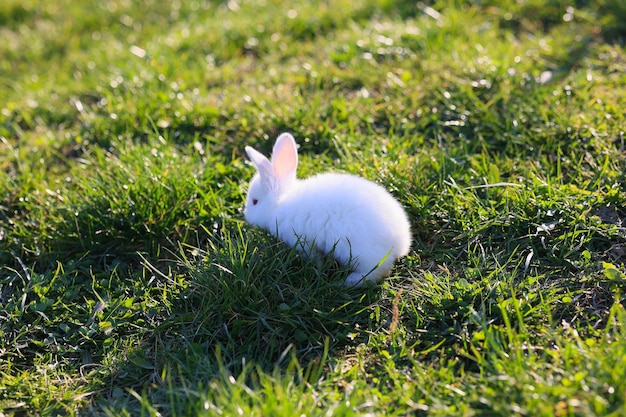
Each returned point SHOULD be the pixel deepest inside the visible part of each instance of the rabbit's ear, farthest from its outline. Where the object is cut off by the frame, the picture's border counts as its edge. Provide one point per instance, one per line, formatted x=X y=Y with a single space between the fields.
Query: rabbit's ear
x=285 y=157
x=263 y=165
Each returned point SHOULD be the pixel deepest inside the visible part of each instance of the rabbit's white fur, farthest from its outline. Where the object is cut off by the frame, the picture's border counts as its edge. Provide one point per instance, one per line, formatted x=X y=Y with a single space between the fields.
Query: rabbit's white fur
x=356 y=220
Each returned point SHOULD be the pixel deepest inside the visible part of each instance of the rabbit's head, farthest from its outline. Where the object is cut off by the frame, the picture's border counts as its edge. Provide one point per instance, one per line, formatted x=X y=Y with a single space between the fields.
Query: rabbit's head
x=273 y=178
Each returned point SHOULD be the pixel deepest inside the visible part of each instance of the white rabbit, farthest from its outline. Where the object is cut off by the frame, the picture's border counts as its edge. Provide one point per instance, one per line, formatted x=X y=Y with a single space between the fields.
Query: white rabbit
x=356 y=220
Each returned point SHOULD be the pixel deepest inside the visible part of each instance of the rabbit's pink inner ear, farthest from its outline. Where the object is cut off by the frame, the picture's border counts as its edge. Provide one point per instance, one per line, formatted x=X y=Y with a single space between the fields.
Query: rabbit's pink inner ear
x=285 y=156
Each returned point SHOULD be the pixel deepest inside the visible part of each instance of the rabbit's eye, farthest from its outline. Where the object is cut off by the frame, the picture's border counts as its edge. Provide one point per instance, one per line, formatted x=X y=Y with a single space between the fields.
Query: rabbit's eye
x=254 y=201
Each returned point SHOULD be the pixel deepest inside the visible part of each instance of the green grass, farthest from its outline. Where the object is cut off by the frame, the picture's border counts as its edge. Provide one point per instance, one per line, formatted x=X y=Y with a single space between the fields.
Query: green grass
x=130 y=284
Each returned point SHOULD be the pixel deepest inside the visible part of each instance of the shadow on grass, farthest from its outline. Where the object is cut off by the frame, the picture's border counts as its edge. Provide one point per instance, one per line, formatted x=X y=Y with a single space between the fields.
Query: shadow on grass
x=242 y=300
x=257 y=298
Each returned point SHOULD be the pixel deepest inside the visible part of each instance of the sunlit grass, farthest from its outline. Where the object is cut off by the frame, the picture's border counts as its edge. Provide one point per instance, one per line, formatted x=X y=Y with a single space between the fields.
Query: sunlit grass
x=130 y=284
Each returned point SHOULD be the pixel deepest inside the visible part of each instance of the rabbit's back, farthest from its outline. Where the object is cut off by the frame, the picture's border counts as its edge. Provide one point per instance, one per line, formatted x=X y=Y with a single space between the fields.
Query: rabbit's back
x=349 y=215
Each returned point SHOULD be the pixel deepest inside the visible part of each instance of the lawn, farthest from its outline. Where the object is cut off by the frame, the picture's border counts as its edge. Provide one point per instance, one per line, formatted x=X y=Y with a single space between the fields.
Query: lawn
x=131 y=285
